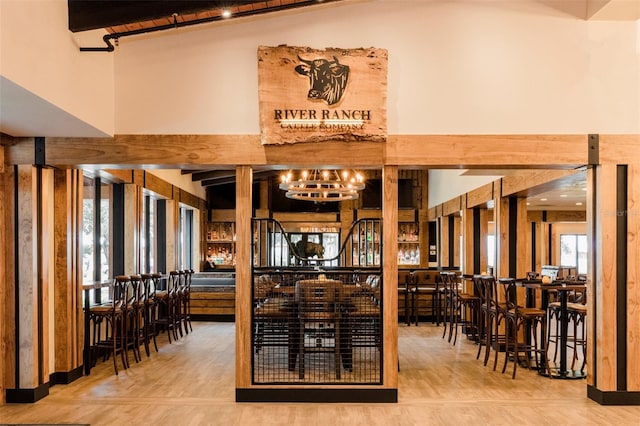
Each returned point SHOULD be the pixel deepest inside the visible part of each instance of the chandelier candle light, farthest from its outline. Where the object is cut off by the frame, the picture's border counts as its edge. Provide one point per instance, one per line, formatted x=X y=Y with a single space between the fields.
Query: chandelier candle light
x=322 y=185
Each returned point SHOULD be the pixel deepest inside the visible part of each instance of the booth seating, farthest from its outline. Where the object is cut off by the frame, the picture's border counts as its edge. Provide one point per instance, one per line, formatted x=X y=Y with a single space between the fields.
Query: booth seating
x=424 y=295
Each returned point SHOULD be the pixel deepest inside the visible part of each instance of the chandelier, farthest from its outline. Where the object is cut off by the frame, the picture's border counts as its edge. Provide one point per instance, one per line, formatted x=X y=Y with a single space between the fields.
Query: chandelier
x=322 y=185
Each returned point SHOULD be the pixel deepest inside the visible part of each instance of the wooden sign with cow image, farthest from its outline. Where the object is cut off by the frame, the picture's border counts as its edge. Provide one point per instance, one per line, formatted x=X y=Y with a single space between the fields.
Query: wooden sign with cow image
x=311 y=95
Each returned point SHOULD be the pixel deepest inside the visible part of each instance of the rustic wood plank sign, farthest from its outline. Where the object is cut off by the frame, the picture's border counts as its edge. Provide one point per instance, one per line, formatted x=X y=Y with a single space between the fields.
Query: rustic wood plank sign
x=311 y=95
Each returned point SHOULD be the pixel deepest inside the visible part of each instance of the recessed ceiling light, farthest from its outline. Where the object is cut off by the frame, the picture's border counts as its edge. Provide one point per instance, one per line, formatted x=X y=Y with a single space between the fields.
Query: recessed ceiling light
x=528 y=204
x=543 y=199
x=578 y=203
x=563 y=195
x=584 y=189
x=226 y=13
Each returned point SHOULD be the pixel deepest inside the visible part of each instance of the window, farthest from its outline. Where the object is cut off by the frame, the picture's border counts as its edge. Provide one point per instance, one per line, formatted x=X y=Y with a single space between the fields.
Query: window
x=491 y=251
x=148 y=234
x=96 y=205
x=88 y=228
x=185 y=239
x=573 y=252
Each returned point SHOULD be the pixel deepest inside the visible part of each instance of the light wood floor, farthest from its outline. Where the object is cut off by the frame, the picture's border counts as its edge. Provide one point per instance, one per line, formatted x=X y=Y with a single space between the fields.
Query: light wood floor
x=191 y=382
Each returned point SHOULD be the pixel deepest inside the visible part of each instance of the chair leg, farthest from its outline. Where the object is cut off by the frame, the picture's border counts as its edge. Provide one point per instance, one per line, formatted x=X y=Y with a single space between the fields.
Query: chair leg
x=488 y=338
x=507 y=343
x=497 y=341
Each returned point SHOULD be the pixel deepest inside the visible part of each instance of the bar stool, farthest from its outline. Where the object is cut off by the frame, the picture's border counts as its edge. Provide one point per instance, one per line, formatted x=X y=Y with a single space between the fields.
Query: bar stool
x=578 y=313
x=484 y=339
x=150 y=283
x=186 y=300
x=496 y=311
x=134 y=312
x=464 y=303
x=112 y=315
x=180 y=295
x=166 y=300
x=447 y=297
x=526 y=319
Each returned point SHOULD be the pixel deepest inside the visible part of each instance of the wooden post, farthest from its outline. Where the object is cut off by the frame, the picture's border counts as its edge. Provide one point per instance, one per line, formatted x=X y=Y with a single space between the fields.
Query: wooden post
x=390 y=275
x=171 y=236
x=68 y=318
x=244 y=178
x=30 y=336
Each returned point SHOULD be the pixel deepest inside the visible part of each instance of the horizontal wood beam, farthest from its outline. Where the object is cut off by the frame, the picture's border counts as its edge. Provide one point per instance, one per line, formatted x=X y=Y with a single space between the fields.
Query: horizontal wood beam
x=187 y=151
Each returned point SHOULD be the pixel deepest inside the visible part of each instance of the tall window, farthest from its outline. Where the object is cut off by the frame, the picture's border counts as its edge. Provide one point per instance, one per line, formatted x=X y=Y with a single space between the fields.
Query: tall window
x=573 y=252
x=96 y=205
x=104 y=232
x=88 y=230
x=148 y=235
x=491 y=250
x=185 y=239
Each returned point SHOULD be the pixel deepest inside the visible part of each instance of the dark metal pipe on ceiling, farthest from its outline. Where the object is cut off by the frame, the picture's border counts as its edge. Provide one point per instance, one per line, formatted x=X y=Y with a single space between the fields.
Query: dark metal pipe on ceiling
x=115 y=36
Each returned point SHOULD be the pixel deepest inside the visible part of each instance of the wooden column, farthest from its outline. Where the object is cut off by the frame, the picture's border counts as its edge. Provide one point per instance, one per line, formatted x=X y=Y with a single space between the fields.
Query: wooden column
x=171 y=235
x=483 y=236
x=512 y=239
x=614 y=290
x=29 y=338
x=468 y=242
x=4 y=260
x=475 y=230
x=68 y=318
x=390 y=276
x=423 y=218
x=132 y=216
x=443 y=242
x=244 y=178
x=455 y=241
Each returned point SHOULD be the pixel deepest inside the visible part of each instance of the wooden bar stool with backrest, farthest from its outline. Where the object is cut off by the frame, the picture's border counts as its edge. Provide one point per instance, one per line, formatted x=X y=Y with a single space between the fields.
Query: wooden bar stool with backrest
x=577 y=314
x=135 y=316
x=112 y=315
x=149 y=303
x=166 y=302
x=179 y=303
x=447 y=298
x=186 y=300
x=465 y=308
x=519 y=319
x=497 y=310
x=483 y=315
x=129 y=311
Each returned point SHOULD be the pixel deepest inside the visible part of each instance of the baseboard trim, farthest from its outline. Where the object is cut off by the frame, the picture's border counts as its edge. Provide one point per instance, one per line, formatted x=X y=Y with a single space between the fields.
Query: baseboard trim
x=212 y=317
x=613 y=397
x=27 y=396
x=66 y=377
x=318 y=395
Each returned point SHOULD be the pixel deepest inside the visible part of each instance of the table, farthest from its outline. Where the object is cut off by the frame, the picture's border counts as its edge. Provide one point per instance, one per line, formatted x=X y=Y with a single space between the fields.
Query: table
x=563 y=290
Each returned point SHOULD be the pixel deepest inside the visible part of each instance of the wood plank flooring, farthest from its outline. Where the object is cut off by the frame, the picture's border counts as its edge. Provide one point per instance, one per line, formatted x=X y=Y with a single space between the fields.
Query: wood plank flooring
x=191 y=382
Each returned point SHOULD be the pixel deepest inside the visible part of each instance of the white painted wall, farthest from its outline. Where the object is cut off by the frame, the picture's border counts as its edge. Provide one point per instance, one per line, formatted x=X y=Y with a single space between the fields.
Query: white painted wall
x=447 y=184
x=176 y=178
x=467 y=67
x=46 y=78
